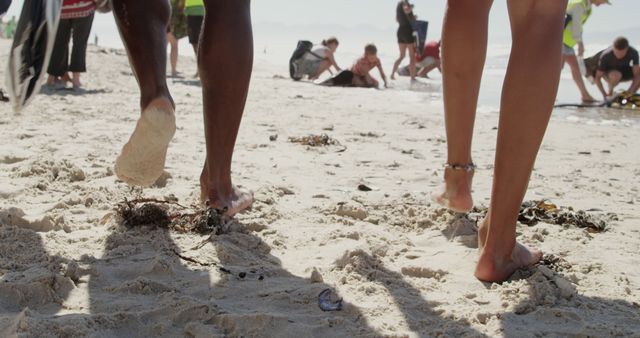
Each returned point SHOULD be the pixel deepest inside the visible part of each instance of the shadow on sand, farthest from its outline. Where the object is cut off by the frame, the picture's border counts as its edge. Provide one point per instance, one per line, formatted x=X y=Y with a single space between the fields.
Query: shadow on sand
x=155 y=282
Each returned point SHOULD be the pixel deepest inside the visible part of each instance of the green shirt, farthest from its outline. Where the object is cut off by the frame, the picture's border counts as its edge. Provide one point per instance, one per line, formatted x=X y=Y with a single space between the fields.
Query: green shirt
x=194 y=11
x=194 y=8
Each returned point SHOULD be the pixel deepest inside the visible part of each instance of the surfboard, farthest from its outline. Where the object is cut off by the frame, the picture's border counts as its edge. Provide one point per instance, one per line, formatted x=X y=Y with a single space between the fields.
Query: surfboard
x=31 y=50
x=420 y=29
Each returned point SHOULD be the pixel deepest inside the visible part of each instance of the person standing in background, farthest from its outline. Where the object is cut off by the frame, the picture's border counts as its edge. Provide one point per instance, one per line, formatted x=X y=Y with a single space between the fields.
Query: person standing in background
x=194 y=11
x=10 y=28
x=406 y=39
x=76 y=18
x=176 y=30
x=578 y=12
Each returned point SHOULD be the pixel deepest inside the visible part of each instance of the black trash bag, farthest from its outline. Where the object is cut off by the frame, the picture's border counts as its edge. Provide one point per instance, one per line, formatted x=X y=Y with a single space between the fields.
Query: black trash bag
x=302 y=48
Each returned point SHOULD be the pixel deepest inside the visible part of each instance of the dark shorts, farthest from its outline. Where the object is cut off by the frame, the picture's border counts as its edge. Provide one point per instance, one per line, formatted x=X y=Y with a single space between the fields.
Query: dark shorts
x=627 y=73
x=194 y=26
x=405 y=35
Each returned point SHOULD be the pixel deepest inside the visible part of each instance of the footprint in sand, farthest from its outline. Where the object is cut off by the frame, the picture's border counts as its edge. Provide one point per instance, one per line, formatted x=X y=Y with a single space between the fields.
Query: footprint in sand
x=142 y=159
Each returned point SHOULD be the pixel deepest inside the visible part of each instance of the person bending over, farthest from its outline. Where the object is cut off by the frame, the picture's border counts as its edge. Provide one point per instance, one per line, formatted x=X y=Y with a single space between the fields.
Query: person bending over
x=319 y=59
x=425 y=63
x=362 y=67
x=618 y=63
x=578 y=12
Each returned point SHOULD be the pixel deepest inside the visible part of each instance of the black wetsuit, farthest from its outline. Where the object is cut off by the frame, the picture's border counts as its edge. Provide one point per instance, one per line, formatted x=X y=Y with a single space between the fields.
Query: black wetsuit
x=405 y=29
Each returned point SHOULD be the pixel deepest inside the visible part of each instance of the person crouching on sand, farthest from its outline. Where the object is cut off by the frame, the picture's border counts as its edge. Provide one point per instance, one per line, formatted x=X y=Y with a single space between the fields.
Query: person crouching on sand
x=362 y=67
x=534 y=68
x=618 y=63
x=319 y=59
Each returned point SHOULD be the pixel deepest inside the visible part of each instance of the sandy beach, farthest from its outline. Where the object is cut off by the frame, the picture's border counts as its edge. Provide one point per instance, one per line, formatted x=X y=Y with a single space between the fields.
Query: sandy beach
x=69 y=267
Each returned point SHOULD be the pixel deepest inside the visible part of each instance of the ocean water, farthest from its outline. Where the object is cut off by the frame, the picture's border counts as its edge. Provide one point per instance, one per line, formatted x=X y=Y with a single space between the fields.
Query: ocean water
x=274 y=43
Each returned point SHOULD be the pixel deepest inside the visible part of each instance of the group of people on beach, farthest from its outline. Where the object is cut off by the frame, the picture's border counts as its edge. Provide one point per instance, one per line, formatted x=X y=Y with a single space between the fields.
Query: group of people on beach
x=616 y=64
x=75 y=24
x=320 y=58
x=226 y=39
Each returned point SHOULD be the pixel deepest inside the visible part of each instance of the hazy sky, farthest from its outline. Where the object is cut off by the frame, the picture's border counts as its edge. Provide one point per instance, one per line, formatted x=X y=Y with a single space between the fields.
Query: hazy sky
x=278 y=24
x=380 y=13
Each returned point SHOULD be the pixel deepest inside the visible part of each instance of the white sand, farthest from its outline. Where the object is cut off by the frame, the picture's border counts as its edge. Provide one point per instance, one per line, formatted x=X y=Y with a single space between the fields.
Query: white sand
x=403 y=266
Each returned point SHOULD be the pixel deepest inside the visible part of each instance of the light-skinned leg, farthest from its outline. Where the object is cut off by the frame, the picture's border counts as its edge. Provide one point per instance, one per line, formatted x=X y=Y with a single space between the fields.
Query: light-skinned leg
x=403 y=52
x=535 y=64
x=462 y=63
x=572 y=61
x=613 y=80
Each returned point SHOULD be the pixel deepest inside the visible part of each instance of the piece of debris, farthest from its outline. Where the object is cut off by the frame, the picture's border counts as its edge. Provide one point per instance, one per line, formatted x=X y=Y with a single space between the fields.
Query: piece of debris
x=326 y=303
x=533 y=212
x=314 y=140
x=170 y=214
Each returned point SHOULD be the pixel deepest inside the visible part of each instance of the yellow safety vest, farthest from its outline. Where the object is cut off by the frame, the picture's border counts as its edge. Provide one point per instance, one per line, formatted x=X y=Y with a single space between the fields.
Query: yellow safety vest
x=193 y=3
x=568 y=34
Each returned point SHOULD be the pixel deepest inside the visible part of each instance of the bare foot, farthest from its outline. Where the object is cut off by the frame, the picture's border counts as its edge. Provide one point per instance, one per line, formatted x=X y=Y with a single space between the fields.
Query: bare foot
x=588 y=99
x=494 y=268
x=238 y=200
x=142 y=159
x=235 y=201
x=455 y=193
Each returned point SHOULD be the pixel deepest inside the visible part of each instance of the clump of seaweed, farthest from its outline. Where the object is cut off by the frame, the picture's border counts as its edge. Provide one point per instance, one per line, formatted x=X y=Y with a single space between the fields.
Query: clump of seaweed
x=135 y=213
x=204 y=221
x=534 y=212
x=311 y=140
x=171 y=215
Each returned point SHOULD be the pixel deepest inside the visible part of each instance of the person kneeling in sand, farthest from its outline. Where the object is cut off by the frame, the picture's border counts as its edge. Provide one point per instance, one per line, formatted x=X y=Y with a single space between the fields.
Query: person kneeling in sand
x=618 y=63
x=426 y=62
x=226 y=39
x=362 y=67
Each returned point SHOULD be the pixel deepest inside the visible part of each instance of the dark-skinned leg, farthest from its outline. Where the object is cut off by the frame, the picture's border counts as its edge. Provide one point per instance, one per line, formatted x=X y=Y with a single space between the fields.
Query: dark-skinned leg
x=143 y=27
x=225 y=60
